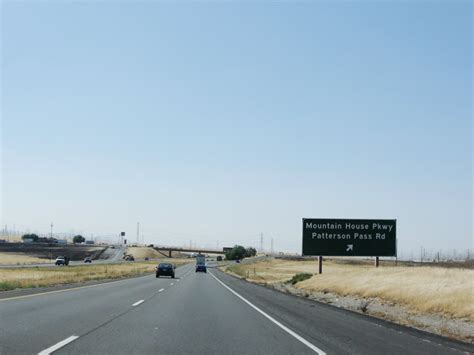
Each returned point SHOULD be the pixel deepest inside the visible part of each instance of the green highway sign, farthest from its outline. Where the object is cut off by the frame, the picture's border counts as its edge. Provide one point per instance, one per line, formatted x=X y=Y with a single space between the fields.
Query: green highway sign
x=349 y=237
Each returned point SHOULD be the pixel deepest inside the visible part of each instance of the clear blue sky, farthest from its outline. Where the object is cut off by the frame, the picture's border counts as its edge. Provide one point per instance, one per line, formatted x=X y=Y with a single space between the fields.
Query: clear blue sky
x=215 y=122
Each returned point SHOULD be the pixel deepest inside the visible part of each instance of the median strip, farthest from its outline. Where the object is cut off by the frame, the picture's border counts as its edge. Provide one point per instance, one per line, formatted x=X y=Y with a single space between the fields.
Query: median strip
x=58 y=346
x=286 y=329
x=137 y=303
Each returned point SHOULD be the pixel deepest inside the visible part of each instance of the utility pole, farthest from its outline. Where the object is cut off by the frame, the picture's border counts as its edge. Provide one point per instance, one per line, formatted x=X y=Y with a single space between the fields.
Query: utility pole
x=138 y=232
x=261 y=242
x=271 y=248
x=51 y=229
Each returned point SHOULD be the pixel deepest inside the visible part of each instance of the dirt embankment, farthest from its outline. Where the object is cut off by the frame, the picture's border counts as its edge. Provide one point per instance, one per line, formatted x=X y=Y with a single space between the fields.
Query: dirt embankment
x=24 y=253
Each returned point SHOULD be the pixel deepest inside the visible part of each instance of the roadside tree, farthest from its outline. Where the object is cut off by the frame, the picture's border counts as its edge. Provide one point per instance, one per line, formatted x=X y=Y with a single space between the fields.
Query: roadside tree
x=78 y=239
x=30 y=236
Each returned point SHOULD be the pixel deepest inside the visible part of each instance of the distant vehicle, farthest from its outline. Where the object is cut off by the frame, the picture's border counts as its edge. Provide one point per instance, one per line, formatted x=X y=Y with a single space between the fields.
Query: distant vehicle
x=112 y=247
x=62 y=260
x=147 y=258
x=129 y=258
x=238 y=261
x=219 y=258
x=201 y=263
x=88 y=259
x=165 y=269
x=201 y=268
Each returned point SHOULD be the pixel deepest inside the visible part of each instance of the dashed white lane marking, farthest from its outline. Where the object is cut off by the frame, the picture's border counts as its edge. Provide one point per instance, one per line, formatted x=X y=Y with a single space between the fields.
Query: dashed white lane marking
x=177 y=280
x=58 y=346
x=286 y=329
x=137 y=303
x=161 y=290
x=171 y=284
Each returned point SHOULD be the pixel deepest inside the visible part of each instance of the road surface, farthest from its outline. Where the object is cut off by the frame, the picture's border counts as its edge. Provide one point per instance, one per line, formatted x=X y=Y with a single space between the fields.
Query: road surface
x=197 y=313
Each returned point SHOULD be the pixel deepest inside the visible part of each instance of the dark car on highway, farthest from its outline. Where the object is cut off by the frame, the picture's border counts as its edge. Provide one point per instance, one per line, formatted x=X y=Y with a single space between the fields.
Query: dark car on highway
x=88 y=259
x=165 y=269
x=201 y=268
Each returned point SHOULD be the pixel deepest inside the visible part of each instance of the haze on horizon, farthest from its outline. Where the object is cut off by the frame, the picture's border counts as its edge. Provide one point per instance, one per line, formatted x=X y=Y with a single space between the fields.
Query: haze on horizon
x=212 y=123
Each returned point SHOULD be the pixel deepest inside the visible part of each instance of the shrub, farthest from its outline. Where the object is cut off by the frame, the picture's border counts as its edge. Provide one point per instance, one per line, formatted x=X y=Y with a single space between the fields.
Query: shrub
x=30 y=236
x=78 y=239
x=300 y=277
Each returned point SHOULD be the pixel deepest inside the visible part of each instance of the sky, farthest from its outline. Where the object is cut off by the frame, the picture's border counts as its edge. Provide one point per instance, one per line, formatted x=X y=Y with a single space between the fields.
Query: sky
x=212 y=122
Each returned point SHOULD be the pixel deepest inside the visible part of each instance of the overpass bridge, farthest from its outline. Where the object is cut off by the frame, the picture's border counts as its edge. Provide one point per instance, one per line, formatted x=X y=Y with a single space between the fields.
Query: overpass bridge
x=162 y=249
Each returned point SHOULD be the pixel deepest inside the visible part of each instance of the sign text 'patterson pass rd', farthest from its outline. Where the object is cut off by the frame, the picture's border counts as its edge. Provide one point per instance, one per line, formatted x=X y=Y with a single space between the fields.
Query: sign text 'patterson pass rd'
x=349 y=237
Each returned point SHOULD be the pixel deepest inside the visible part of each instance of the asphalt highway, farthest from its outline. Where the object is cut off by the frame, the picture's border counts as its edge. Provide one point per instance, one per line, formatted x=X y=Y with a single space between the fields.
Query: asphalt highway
x=197 y=313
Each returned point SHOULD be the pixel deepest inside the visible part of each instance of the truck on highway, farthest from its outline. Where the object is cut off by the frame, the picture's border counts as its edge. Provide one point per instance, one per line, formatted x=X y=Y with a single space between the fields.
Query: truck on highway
x=201 y=263
x=62 y=260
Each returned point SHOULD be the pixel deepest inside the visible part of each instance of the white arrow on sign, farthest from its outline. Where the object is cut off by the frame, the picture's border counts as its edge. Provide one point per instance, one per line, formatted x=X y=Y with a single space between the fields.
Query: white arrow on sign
x=350 y=247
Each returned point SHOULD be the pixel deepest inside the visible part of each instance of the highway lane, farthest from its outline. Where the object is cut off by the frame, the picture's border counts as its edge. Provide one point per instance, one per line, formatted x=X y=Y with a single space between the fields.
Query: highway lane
x=197 y=313
x=51 y=317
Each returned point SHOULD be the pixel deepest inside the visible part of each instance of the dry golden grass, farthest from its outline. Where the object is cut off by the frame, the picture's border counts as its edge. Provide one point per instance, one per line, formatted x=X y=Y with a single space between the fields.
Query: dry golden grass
x=422 y=289
x=27 y=277
x=20 y=258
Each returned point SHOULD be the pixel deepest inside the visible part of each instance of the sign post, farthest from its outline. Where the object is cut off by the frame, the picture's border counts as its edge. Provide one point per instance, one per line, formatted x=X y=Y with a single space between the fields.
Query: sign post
x=349 y=237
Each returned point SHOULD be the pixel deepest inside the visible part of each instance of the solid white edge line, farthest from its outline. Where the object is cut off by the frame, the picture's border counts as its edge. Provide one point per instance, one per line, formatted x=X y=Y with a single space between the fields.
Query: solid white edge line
x=286 y=329
x=71 y=289
x=137 y=303
x=161 y=290
x=58 y=346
